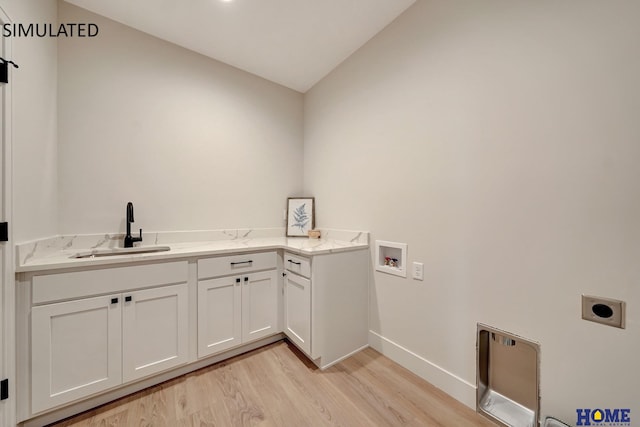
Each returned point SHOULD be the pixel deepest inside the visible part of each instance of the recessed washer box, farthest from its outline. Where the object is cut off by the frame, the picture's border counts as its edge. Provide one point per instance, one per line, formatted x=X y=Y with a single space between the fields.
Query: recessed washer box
x=397 y=252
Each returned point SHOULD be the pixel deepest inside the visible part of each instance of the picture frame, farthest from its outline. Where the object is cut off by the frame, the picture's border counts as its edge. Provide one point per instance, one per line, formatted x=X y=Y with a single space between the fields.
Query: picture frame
x=301 y=216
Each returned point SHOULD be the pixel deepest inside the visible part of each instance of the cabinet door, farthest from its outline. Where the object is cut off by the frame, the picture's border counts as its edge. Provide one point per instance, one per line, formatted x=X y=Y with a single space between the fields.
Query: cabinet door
x=76 y=350
x=297 y=311
x=259 y=305
x=154 y=330
x=219 y=315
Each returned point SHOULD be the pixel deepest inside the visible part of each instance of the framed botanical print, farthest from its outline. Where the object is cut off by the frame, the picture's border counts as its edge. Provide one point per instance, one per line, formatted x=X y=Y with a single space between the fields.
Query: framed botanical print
x=300 y=216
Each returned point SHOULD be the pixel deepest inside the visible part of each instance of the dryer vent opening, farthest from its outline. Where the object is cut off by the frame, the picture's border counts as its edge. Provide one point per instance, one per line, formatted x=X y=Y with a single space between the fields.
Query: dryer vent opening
x=507 y=378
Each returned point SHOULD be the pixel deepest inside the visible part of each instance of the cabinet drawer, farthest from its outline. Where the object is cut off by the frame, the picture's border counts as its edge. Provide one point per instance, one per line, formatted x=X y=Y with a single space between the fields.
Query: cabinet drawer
x=79 y=284
x=236 y=264
x=297 y=264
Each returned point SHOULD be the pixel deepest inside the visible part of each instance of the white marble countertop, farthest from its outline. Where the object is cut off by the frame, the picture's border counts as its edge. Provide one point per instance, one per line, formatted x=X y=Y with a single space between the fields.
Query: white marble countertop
x=60 y=258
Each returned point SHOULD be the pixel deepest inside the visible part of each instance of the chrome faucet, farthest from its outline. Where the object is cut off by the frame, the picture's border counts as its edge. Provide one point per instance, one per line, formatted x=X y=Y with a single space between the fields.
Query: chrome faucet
x=128 y=240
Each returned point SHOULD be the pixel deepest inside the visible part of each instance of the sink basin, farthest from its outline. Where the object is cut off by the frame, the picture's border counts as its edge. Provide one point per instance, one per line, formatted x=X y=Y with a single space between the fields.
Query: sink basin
x=120 y=251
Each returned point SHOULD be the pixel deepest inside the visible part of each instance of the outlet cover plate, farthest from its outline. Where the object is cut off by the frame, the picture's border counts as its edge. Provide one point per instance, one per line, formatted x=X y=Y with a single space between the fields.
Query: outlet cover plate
x=418 y=271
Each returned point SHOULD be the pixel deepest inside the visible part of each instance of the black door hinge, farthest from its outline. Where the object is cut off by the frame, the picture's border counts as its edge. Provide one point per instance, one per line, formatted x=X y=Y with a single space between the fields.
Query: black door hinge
x=4 y=389
x=4 y=231
x=4 y=69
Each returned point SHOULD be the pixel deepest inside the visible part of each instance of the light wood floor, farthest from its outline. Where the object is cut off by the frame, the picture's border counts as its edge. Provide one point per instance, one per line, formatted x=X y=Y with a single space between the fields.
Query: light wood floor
x=277 y=386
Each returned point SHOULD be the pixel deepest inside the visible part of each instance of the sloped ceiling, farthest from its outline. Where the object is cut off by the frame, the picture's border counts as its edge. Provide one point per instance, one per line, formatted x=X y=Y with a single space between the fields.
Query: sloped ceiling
x=291 y=42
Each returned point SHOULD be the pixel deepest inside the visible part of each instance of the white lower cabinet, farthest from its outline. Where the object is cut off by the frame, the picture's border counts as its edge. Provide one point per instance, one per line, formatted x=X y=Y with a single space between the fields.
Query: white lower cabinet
x=235 y=310
x=90 y=344
x=154 y=331
x=240 y=307
x=326 y=304
x=76 y=350
x=219 y=308
x=259 y=305
x=87 y=333
x=297 y=310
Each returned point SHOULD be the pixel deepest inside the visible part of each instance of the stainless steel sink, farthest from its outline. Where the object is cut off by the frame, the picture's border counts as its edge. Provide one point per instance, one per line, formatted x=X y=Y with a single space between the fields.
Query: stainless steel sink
x=120 y=251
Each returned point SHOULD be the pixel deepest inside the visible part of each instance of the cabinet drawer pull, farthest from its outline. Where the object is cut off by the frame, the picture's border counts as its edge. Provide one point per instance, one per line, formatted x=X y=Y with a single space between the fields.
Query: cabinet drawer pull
x=293 y=262
x=238 y=280
x=241 y=262
x=246 y=279
x=114 y=300
x=128 y=298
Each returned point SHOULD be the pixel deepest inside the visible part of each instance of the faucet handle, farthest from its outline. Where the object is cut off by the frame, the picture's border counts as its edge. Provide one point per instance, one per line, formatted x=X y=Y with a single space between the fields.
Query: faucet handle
x=137 y=239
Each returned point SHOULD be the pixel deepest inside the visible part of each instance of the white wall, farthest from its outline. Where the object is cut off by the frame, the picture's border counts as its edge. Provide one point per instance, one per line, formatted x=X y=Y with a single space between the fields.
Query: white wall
x=34 y=87
x=500 y=141
x=193 y=143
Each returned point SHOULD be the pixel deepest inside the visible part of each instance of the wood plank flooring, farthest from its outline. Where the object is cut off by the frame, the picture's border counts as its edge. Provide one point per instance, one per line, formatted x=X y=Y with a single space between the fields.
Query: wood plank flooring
x=277 y=386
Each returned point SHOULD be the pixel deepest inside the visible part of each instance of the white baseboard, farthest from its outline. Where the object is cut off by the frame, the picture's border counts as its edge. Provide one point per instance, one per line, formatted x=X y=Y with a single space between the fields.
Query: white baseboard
x=346 y=356
x=451 y=384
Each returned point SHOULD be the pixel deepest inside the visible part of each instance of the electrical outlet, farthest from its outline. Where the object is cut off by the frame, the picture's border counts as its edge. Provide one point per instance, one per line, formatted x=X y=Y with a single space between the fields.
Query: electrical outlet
x=418 y=271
